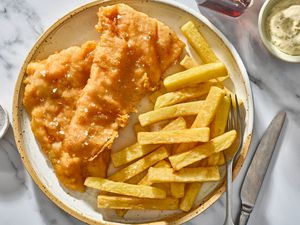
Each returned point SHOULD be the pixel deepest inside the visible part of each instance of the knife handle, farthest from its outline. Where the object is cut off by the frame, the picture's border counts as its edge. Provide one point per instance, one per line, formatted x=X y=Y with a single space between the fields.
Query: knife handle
x=245 y=214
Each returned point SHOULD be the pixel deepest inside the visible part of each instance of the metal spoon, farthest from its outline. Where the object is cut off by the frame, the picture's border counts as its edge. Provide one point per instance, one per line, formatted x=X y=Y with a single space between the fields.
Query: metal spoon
x=4 y=121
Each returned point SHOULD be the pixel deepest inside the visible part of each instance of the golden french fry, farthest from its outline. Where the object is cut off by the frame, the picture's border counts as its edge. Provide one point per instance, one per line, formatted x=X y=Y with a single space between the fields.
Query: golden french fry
x=182 y=95
x=215 y=145
x=136 y=150
x=193 y=189
x=219 y=123
x=222 y=160
x=208 y=111
x=188 y=62
x=205 y=115
x=220 y=80
x=142 y=179
x=163 y=186
x=183 y=147
x=140 y=191
x=137 y=178
x=199 y=43
x=170 y=112
x=160 y=164
x=187 y=175
x=120 y=202
x=191 y=193
x=216 y=159
x=131 y=153
x=177 y=124
x=157 y=93
x=218 y=127
x=176 y=136
x=177 y=189
x=138 y=128
x=140 y=165
x=199 y=74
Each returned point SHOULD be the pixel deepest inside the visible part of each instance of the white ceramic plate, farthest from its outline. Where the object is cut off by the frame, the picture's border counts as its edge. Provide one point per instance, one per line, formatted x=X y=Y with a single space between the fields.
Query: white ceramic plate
x=77 y=27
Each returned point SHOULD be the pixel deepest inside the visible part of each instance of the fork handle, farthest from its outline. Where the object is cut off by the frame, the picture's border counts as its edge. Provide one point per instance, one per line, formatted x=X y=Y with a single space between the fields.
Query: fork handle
x=245 y=214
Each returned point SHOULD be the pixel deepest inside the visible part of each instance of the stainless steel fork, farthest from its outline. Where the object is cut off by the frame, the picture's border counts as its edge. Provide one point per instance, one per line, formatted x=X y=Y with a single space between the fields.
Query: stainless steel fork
x=234 y=123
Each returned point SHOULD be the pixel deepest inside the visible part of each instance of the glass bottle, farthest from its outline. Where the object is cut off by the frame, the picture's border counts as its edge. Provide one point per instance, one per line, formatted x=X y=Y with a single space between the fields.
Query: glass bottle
x=232 y=8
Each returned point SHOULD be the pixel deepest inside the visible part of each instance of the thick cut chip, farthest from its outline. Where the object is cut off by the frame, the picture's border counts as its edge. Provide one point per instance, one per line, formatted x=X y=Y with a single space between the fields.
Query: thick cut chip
x=136 y=150
x=120 y=202
x=140 y=191
x=215 y=145
x=170 y=112
x=208 y=111
x=205 y=115
x=216 y=159
x=217 y=128
x=191 y=193
x=183 y=95
x=142 y=179
x=199 y=43
x=140 y=165
x=175 y=136
x=188 y=62
x=137 y=178
x=219 y=123
x=199 y=74
x=163 y=186
x=187 y=175
x=134 y=180
x=177 y=189
x=177 y=124
x=160 y=164
x=131 y=153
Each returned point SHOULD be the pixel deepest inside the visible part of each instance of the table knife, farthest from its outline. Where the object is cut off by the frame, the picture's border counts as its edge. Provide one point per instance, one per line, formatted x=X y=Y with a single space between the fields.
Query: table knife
x=258 y=167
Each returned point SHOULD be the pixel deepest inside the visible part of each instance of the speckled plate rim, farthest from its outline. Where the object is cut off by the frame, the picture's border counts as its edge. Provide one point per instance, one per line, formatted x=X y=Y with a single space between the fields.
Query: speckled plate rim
x=176 y=219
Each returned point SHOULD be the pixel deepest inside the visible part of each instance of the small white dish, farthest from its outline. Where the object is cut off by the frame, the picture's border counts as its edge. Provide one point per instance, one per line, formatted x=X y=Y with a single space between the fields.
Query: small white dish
x=264 y=35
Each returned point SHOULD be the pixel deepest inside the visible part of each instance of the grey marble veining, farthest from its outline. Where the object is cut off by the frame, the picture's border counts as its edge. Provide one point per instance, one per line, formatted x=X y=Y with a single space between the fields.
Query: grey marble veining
x=275 y=86
x=19 y=28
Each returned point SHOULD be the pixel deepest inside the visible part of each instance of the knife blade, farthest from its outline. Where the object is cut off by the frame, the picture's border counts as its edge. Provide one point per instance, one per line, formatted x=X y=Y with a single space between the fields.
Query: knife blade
x=258 y=167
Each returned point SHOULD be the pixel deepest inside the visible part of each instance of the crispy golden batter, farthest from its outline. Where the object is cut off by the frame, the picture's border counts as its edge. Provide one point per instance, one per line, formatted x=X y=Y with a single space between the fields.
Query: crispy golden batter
x=133 y=52
x=53 y=87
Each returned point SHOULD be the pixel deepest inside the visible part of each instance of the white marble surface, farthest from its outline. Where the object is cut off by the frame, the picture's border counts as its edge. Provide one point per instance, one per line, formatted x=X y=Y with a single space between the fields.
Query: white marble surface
x=275 y=86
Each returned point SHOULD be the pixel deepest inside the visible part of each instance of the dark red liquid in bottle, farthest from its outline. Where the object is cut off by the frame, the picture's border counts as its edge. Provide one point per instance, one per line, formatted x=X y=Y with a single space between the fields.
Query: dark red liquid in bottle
x=232 y=8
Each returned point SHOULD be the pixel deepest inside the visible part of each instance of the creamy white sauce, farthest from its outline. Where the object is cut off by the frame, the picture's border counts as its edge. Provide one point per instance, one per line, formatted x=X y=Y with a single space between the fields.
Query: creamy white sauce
x=283 y=25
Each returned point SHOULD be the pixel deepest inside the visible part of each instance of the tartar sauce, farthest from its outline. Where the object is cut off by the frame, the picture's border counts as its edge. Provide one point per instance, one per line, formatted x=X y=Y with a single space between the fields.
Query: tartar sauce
x=283 y=25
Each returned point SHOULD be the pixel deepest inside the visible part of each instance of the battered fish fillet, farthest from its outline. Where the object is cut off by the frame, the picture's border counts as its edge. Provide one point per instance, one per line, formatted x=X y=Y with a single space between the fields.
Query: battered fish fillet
x=53 y=87
x=133 y=52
